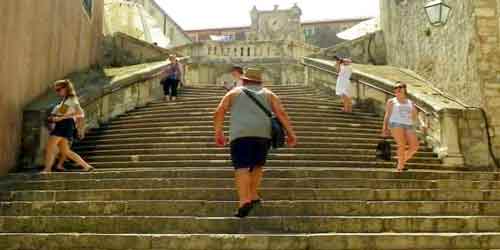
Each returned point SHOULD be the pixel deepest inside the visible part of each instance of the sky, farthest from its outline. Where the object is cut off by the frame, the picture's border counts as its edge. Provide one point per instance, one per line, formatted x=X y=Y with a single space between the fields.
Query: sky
x=201 y=14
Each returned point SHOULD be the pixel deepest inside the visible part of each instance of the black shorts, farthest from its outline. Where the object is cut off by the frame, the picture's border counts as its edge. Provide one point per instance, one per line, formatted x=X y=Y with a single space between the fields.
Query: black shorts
x=249 y=152
x=65 y=129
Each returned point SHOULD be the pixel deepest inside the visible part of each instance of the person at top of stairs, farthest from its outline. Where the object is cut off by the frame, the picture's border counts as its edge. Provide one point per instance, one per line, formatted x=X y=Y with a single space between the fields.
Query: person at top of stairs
x=236 y=73
x=171 y=77
x=64 y=115
x=399 y=120
x=343 y=87
x=250 y=134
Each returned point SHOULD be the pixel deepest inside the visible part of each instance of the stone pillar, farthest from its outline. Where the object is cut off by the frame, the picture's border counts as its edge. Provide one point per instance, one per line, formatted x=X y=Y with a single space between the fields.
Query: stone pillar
x=450 y=144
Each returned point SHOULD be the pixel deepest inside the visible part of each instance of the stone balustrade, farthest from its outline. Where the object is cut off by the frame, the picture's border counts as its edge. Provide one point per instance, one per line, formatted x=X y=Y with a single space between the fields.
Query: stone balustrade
x=457 y=134
x=103 y=94
x=247 y=50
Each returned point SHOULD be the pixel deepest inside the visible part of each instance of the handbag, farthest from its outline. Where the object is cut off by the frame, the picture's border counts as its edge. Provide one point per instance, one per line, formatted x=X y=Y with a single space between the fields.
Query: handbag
x=383 y=151
x=277 y=130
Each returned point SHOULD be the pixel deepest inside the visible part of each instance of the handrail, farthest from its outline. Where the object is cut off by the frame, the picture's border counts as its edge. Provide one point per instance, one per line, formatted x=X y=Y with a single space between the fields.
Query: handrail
x=421 y=109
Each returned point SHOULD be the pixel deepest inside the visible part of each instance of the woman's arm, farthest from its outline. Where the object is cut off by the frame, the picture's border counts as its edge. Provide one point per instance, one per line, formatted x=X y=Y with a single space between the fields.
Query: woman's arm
x=414 y=113
x=388 y=113
x=281 y=114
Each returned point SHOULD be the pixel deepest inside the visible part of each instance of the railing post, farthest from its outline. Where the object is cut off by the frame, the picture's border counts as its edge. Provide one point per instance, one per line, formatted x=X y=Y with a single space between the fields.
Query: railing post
x=450 y=144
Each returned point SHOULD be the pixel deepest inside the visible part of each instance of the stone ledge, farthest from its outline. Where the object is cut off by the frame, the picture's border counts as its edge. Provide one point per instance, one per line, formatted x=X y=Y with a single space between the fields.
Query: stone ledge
x=386 y=76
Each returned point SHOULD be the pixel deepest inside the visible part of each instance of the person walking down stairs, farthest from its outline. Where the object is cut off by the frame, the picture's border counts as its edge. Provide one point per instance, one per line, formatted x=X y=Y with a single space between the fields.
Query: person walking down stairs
x=63 y=119
x=399 y=120
x=171 y=77
x=250 y=134
x=343 y=86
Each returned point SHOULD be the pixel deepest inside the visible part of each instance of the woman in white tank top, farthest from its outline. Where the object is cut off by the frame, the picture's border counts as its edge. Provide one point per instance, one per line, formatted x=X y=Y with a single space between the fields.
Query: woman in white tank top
x=399 y=120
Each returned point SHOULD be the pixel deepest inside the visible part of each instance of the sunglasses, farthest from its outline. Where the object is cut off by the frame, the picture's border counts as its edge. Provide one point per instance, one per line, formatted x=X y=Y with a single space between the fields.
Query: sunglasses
x=397 y=88
x=59 y=89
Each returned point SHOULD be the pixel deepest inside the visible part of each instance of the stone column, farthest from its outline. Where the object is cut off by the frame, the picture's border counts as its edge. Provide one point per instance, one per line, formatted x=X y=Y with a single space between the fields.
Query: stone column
x=450 y=143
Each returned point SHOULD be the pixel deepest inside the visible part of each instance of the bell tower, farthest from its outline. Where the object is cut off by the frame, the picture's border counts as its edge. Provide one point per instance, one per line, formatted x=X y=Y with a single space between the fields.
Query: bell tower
x=277 y=24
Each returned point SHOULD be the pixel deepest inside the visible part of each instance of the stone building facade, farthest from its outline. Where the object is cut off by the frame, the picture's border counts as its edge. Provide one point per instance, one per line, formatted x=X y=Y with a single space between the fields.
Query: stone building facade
x=318 y=33
x=41 y=41
x=145 y=20
x=461 y=58
x=323 y=33
x=170 y=28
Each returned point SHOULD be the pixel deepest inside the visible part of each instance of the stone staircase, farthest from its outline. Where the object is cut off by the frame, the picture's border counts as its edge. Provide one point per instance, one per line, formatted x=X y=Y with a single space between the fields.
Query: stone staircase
x=162 y=184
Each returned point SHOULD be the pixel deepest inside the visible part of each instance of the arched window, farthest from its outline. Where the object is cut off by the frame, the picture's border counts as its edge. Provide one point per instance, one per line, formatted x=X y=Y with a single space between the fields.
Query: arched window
x=87 y=4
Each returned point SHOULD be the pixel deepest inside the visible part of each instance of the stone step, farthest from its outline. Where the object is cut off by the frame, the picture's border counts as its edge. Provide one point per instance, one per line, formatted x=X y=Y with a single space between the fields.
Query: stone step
x=255 y=225
x=272 y=156
x=209 y=118
x=228 y=172
x=220 y=91
x=209 y=112
x=145 y=183
x=195 y=107
x=195 y=133
x=299 y=94
x=209 y=138
x=329 y=124
x=209 y=129
x=270 y=164
x=142 y=151
x=210 y=144
x=315 y=101
x=210 y=109
x=303 y=92
x=215 y=209
x=330 y=241
x=229 y=194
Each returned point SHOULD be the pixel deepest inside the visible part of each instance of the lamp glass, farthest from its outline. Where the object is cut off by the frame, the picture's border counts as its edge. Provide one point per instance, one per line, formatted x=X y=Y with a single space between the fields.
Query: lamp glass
x=437 y=12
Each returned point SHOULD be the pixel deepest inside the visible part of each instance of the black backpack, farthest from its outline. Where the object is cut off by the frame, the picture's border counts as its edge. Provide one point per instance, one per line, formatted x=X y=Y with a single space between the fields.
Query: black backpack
x=383 y=151
x=277 y=131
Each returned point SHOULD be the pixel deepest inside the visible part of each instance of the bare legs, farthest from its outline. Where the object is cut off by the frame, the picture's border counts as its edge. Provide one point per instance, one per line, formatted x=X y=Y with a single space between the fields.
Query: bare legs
x=243 y=181
x=248 y=184
x=407 y=144
x=347 y=101
x=62 y=144
x=255 y=180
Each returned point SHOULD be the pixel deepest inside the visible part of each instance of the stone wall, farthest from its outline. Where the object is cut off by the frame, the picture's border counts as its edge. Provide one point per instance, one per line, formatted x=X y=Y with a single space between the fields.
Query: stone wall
x=324 y=34
x=40 y=41
x=121 y=50
x=275 y=72
x=446 y=56
x=170 y=28
x=369 y=49
x=460 y=58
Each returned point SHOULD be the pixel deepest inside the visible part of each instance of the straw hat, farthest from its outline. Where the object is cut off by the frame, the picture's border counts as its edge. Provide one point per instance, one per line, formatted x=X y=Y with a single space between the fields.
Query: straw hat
x=253 y=74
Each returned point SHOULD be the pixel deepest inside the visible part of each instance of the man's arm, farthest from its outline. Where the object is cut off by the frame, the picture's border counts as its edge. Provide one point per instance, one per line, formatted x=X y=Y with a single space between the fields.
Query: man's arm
x=281 y=114
x=219 y=115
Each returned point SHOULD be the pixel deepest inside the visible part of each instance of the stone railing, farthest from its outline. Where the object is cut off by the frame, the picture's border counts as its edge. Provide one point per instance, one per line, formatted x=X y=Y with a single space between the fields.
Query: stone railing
x=455 y=133
x=103 y=94
x=247 y=50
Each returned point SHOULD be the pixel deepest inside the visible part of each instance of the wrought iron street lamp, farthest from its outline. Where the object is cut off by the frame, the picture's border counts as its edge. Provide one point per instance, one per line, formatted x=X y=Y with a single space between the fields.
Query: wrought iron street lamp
x=437 y=12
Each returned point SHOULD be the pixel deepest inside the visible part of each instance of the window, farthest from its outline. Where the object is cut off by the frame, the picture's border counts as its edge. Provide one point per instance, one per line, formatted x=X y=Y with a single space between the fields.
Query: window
x=87 y=4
